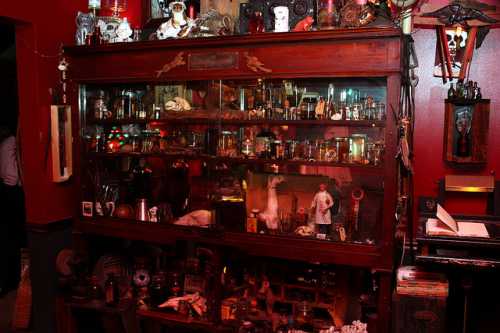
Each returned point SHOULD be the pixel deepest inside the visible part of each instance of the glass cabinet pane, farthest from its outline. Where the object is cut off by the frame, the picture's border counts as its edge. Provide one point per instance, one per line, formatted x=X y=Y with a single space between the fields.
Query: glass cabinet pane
x=287 y=157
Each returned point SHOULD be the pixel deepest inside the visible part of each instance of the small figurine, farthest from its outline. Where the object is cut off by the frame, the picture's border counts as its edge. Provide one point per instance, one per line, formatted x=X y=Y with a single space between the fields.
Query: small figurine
x=281 y=19
x=179 y=25
x=321 y=204
x=124 y=32
x=85 y=23
x=304 y=24
x=256 y=23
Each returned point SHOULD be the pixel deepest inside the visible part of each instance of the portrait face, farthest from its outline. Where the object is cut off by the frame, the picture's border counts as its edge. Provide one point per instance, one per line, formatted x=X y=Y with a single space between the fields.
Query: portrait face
x=178 y=8
x=322 y=187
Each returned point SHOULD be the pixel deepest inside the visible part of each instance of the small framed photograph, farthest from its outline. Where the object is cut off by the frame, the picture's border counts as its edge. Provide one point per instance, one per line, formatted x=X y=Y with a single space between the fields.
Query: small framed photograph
x=87 y=209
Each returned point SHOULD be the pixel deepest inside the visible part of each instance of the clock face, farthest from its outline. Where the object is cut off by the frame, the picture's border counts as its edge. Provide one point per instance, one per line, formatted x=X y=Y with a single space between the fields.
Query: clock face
x=141 y=278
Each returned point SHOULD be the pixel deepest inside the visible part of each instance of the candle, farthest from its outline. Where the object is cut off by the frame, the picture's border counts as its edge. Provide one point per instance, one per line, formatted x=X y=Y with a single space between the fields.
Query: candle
x=192 y=15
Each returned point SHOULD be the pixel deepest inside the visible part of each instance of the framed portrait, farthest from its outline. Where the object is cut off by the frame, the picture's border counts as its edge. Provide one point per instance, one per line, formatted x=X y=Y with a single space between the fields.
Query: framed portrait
x=155 y=12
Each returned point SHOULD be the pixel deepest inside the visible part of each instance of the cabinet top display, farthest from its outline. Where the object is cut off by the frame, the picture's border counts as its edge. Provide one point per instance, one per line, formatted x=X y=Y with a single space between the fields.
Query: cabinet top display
x=365 y=52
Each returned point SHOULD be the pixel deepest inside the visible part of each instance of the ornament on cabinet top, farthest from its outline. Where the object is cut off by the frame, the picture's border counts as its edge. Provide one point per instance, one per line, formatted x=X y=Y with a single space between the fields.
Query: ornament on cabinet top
x=85 y=24
x=124 y=32
x=179 y=25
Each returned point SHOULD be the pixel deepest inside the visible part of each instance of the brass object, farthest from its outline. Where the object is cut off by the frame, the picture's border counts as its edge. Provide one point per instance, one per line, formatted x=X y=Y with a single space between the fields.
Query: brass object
x=459 y=183
x=176 y=62
x=255 y=65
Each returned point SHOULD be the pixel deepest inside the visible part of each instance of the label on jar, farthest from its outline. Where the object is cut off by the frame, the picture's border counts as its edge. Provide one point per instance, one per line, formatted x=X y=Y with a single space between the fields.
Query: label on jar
x=252 y=224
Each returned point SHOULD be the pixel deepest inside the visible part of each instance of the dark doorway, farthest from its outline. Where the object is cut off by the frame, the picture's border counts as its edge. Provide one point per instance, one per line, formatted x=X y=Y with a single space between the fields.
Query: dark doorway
x=12 y=232
x=8 y=81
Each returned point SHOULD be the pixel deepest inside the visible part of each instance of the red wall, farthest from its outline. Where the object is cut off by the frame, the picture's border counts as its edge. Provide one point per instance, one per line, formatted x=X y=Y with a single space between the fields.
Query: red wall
x=429 y=124
x=41 y=27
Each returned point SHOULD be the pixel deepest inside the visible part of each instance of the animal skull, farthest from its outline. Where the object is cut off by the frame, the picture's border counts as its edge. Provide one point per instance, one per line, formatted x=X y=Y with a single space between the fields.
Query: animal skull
x=456 y=40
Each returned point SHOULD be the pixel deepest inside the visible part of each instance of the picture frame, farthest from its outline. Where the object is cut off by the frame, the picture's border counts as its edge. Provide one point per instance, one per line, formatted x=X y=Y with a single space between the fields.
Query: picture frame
x=61 y=143
x=466 y=127
x=153 y=15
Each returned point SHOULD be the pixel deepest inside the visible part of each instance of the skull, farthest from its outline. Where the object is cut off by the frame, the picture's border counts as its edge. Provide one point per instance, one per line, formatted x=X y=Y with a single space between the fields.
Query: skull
x=456 y=41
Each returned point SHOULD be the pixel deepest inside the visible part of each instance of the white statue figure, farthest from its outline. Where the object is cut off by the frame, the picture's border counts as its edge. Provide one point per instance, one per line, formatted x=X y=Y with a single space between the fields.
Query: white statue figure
x=281 y=19
x=124 y=32
x=179 y=25
x=270 y=214
x=321 y=204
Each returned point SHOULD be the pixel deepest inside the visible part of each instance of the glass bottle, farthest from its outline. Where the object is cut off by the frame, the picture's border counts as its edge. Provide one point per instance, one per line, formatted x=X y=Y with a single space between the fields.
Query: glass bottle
x=157 y=290
x=111 y=292
x=303 y=319
x=451 y=91
x=263 y=143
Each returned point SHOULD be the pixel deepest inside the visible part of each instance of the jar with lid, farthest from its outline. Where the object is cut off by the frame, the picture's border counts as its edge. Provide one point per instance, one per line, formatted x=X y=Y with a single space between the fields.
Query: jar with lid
x=380 y=110
x=342 y=145
x=304 y=317
x=357 y=149
x=263 y=146
x=279 y=150
x=292 y=150
x=126 y=105
x=158 y=289
x=111 y=291
x=227 y=146
x=95 y=291
x=100 y=106
x=308 y=108
x=310 y=150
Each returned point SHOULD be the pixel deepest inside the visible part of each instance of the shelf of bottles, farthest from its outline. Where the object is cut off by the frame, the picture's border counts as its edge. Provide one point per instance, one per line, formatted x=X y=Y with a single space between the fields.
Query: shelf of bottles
x=221 y=143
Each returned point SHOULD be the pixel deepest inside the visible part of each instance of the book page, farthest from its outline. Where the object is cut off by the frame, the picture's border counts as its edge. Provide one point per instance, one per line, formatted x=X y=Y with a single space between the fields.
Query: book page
x=435 y=227
x=446 y=218
x=472 y=229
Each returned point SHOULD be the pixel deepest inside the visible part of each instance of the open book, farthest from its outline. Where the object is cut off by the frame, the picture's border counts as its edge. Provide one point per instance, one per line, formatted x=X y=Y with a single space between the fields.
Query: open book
x=445 y=225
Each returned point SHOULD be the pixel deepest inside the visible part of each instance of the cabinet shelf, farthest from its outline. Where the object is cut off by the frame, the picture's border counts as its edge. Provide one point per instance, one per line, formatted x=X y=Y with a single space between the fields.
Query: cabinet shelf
x=242 y=122
x=295 y=248
x=235 y=160
x=179 y=320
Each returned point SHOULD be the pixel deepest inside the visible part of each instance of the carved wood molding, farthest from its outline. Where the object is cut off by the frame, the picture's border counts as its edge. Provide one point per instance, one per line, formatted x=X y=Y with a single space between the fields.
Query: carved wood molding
x=255 y=65
x=176 y=62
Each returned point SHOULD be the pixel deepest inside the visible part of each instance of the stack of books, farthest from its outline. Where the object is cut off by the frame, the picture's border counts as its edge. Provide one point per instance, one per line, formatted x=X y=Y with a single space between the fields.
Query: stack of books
x=415 y=281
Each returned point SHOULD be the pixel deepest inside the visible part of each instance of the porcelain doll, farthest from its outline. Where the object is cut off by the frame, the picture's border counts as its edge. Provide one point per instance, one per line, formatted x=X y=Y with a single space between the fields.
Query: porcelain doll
x=320 y=205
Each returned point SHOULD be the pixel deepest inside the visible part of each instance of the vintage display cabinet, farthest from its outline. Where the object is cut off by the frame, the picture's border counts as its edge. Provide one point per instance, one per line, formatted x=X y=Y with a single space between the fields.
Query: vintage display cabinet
x=276 y=145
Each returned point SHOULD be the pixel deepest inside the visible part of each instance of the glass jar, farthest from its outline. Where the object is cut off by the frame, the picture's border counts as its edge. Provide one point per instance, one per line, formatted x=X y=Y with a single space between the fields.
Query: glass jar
x=158 y=290
x=279 y=150
x=378 y=154
x=263 y=143
x=292 y=151
x=380 y=110
x=308 y=108
x=248 y=148
x=310 y=150
x=304 y=317
x=357 y=149
x=227 y=144
x=242 y=309
x=342 y=145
